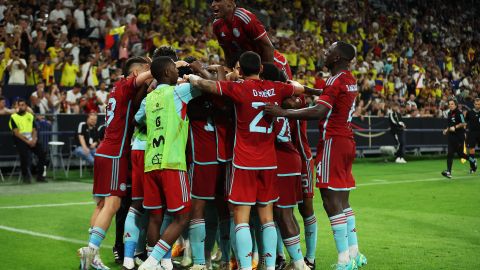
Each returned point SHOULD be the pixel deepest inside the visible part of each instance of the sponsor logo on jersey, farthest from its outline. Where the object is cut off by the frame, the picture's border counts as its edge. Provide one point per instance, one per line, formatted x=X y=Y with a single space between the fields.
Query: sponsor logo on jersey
x=236 y=33
x=123 y=187
x=352 y=88
x=264 y=93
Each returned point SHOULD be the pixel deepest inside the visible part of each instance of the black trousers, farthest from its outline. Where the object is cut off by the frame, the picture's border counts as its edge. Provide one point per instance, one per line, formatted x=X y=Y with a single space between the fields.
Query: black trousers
x=398 y=135
x=25 y=153
x=455 y=145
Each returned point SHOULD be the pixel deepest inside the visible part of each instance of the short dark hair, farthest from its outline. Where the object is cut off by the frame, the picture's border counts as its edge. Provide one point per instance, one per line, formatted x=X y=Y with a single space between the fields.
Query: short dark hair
x=347 y=51
x=2 y=98
x=21 y=100
x=159 y=65
x=272 y=73
x=165 y=51
x=250 y=63
x=132 y=61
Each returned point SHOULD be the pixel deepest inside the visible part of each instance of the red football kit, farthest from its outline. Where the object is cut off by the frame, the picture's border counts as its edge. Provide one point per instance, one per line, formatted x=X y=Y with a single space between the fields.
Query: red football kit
x=241 y=34
x=335 y=167
x=225 y=135
x=254 y=160
x=112 y=157
x=300 y=140
x=289 y=166
x=204 y=170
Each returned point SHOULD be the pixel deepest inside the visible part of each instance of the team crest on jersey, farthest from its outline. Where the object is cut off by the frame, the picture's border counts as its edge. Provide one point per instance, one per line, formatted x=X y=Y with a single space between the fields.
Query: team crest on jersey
x=123 y=187
x=236 y=33
x=222 y=34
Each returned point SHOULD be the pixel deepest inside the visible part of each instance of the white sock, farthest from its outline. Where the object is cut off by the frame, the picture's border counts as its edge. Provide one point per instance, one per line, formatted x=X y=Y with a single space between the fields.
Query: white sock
x=298 y=265
x=128 y=263
x=353 y=250
x=94 y=247
x=149 y=250
x=343 y=257
x=151 y=261
x=166 y=264
x=312 y=261
x=255 y=256
x=269 y=268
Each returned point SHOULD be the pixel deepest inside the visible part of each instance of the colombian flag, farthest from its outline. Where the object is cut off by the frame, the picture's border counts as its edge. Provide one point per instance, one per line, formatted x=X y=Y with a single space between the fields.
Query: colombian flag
x=113 y=36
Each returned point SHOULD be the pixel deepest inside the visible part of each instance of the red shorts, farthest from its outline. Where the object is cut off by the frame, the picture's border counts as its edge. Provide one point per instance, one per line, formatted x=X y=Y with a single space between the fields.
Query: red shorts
x=289 y=190
x=166 y=187
x=205 y=180
x=249 y=187
x=308 y=170
x=226 y=168
x=334 y=164
x=138 y=175
x=110 y=176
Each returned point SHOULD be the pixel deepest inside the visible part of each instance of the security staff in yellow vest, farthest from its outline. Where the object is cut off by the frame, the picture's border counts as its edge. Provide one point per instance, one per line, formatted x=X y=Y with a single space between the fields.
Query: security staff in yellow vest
x=25 y=137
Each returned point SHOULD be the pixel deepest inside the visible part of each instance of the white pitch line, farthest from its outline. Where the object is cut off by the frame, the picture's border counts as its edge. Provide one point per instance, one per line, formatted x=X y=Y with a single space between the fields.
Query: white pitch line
x=44 y=205
x=48 y=236
x=411 y=181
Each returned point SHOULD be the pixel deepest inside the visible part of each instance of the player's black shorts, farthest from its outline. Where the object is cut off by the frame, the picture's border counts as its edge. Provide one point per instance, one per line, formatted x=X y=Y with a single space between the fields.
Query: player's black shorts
x=473 y=138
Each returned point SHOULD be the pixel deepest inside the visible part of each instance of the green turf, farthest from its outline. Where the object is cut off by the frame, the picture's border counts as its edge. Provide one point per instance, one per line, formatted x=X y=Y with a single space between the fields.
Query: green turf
x=424 y=223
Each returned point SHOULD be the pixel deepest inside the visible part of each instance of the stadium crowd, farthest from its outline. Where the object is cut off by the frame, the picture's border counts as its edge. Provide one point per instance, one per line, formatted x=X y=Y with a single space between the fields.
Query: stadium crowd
x=408 y=53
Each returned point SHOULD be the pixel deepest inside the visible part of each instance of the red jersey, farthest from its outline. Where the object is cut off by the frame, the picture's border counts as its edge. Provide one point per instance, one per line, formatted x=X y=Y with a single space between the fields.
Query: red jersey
x=281 y=62
x=288 y=158
x=224 y=129
x=118 y=119
x=339 y=95
x=254 y=138
x=299 y=135
x=240 y=34
x=202 y=139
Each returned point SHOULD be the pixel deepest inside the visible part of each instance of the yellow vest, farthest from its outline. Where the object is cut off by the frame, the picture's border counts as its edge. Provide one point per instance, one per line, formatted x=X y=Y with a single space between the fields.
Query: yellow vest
x=23 y=122
x=167 y=132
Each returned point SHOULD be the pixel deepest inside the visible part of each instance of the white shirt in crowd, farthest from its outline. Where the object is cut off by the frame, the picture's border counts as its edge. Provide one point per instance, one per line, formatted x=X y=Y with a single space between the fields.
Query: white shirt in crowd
x=2 y=9
x=72 y=97
x=94 y=23
x=42 y=104
x=57 y=14
x=85 y=71
x=79 y=16
x=17 y=75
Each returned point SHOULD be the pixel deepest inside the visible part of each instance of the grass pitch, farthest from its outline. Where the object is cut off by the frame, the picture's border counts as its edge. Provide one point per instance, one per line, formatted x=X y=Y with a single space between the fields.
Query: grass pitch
x=408 y=217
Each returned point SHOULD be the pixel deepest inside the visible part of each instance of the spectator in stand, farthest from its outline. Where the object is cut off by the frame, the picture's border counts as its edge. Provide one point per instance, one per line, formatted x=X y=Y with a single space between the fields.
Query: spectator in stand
x=87 y=138
x=4 y=110
x=91 y=102
x=73 y=98
x=16 y=67
x=39 y=100
x=70 y=72
x=55 y=99
x=102 y=95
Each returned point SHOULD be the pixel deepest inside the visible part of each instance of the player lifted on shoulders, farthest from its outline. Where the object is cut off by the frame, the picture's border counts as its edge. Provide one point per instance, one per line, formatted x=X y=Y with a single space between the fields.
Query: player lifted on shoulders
x=112 y=156
x=336 y=150
x=238 y=30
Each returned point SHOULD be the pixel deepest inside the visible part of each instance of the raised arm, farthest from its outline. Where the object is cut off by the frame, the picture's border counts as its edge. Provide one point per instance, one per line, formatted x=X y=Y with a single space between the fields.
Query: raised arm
x=317 y=112
x=207 y=86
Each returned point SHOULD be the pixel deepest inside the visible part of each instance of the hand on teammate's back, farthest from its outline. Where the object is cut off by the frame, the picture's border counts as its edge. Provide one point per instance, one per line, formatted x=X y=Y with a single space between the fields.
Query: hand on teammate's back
x=274 y=110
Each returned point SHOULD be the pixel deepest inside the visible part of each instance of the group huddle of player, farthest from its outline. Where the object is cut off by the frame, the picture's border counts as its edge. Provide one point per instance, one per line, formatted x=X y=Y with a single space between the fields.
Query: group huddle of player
x=234 y=135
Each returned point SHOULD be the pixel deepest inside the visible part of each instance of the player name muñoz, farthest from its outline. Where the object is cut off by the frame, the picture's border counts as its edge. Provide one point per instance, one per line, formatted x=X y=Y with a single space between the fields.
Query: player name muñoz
x=264 y=93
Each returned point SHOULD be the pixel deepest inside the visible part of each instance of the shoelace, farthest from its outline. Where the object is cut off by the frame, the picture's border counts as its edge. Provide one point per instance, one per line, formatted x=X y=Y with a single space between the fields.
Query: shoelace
x=115 y=254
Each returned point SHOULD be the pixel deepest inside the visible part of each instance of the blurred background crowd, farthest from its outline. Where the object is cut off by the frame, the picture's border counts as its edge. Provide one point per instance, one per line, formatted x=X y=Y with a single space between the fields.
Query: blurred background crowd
x=413 y=53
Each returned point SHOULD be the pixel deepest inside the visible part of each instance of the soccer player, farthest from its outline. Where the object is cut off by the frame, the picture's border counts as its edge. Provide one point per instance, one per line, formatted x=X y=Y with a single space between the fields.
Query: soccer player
x=254 y=162
x=473 y=134
x=299 y=138
x=238 y=30
x=456 y=138
x=288 y=178
x=166 y=181
x=204 y=170
x=111 y=159
x=336 y=150
x=397 y=127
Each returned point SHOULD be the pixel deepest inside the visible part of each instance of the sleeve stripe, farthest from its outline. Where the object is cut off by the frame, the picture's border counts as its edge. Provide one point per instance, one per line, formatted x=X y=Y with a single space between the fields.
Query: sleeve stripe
x=332 y=80
x=325 y=103
x=242 y=15
x=261 y=35
x=80 y=127
x=219 y=88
